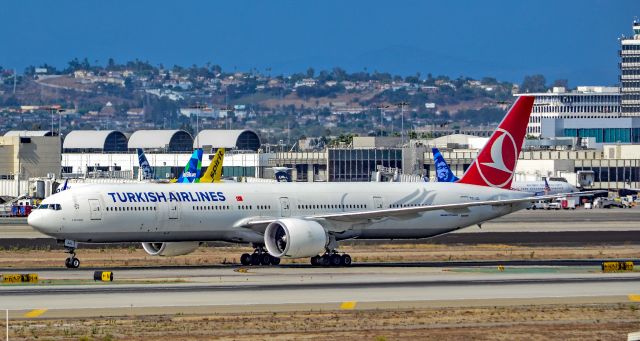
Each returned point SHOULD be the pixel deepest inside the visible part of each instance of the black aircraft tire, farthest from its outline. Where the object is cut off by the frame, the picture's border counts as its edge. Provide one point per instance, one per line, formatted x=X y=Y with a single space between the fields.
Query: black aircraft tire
x=255 y=259
x=335 y=260
x=245 y=259
x=346 y=260
x=325 y=260
x=265 y=259
x=275 y=260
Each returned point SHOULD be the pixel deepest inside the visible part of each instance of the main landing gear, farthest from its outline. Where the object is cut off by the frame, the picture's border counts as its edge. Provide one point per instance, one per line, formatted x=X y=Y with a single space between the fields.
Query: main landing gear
x=70 y=247
x=331 y=259
x=259 y=257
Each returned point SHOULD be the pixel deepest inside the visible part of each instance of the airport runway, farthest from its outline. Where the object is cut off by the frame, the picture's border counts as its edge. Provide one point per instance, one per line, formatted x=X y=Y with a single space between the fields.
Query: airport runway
x=271 y=289
x=224 y=288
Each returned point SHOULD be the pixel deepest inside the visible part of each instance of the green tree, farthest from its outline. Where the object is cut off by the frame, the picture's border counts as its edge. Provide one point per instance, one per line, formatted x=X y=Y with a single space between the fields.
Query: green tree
x=533 y=83
x=561 y=82
x=111 y=64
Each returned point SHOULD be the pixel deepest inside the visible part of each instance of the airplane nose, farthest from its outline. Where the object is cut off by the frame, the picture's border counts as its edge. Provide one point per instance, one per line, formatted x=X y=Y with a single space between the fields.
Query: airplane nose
x=37 y=221
x=32 y=219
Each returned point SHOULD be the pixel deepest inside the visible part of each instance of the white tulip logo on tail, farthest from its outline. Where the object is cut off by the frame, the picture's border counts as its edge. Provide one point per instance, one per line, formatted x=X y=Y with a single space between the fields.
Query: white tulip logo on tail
x=500 y=168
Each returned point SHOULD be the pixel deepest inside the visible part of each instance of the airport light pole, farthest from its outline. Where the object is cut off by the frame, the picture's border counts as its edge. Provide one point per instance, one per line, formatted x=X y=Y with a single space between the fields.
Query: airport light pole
x=381 y=108
x=198 y=107
x=60 y=122
x=401 y=105
x=53 y=109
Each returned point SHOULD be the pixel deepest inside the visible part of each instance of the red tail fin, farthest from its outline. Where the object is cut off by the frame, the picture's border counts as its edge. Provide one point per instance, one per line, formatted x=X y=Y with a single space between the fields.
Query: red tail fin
x=496 y=163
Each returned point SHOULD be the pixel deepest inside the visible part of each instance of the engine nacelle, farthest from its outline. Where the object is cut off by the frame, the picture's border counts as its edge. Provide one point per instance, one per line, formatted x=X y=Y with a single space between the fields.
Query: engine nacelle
x=295 y=238
x=170 y=249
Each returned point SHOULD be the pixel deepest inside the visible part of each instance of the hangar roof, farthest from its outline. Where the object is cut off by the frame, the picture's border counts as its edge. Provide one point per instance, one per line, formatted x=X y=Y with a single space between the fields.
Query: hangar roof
x=105 y=140
x=30 y=133
x=239 y=139
x=167 y=140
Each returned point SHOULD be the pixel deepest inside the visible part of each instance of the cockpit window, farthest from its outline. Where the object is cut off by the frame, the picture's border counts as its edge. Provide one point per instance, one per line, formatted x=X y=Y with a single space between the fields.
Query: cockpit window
x=55 y=207
x=43 y=206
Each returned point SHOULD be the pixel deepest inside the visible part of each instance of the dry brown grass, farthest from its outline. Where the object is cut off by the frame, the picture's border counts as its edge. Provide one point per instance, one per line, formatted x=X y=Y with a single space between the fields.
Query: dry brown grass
x=530 y=322
x=111 y=257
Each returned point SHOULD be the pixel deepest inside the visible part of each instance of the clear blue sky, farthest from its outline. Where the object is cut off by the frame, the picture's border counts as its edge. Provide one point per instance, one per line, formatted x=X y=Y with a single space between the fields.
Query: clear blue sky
x=505 y=39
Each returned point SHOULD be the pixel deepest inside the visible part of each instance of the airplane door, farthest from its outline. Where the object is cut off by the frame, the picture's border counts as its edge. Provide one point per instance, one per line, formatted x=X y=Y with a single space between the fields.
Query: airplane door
x=94 y=207
x=285 y=209
x=377 y=203
x=174 y=210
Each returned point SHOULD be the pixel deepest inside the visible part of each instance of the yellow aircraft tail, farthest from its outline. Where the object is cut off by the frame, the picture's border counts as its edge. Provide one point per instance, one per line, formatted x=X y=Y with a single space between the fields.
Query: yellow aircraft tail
x=214 y=171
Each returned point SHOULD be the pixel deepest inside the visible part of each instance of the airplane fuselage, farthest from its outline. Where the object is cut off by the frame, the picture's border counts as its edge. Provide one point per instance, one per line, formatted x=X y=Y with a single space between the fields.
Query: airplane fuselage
x=538 y=187
x=215 y=211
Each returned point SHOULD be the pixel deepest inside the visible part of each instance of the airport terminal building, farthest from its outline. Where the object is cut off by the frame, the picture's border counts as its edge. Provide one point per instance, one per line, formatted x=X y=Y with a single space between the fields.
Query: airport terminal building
x=612 y=166
x=110 y=156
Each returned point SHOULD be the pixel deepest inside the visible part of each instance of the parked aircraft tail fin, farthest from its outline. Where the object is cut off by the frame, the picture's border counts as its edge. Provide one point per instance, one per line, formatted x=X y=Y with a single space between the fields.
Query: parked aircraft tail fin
x=145 y=169
x=213 y=173
x=443 y=171
x=192 y=170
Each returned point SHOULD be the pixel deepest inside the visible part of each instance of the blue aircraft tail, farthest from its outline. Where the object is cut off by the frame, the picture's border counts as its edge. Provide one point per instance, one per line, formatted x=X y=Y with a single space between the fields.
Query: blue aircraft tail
x=63 y=187
x=283 y=176
x=193 y=168
x=547 y=188
x=145 y=167
x=443 y=171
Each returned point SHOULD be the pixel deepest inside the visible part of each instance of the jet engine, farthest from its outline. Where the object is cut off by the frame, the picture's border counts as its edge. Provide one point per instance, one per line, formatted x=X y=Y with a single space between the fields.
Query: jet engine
x=170 y=249
x=295 y=238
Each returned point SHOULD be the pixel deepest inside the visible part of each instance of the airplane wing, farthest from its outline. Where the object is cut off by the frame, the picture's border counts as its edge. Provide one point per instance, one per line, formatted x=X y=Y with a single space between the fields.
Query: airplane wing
x=589 y=193
x=260 y=224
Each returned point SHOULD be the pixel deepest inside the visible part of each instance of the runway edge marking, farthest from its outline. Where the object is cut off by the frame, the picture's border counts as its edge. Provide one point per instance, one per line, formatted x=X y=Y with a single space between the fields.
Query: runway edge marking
x=634 y=298
x=35 y=313
x=348 y=305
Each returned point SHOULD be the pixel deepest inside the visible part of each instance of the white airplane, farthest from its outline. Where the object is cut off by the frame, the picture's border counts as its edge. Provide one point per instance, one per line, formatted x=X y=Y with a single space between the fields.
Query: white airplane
x=544 y=187
x=292 y=220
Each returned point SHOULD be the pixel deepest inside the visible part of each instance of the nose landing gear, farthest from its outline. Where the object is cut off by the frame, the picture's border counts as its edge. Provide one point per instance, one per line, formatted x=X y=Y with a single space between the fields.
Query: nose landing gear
x=70 y=247
x=72 y=262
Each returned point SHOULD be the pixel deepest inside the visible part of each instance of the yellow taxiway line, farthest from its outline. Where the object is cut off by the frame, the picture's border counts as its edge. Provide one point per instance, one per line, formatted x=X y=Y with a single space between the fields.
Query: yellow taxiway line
x=35 y=313
x=348 y=305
